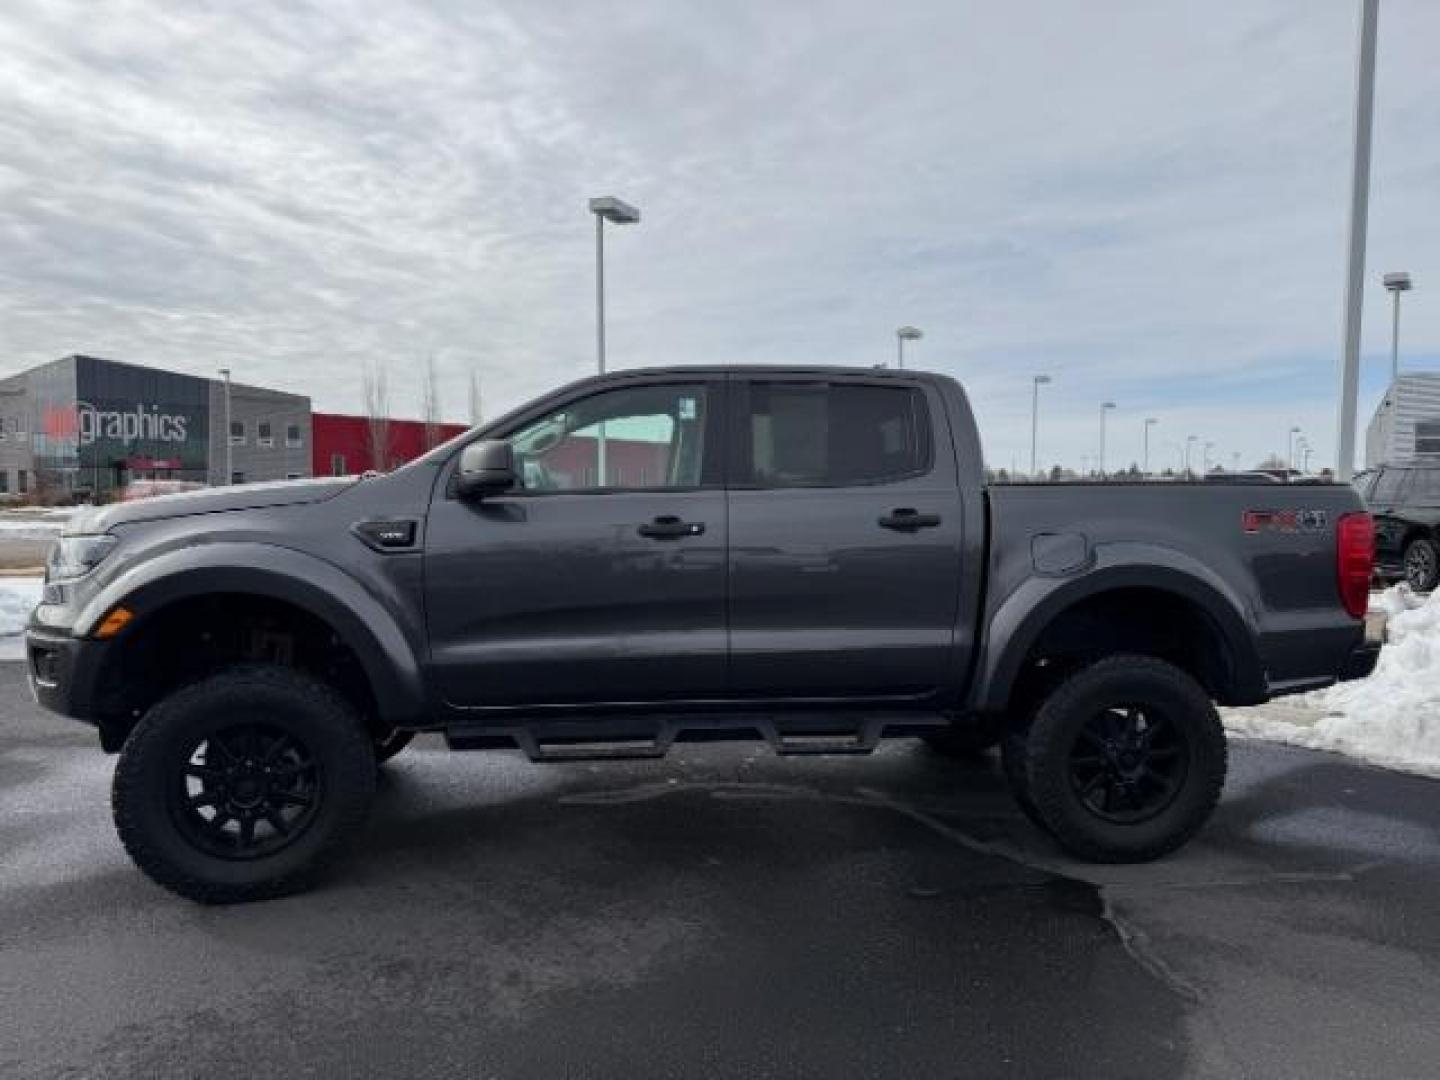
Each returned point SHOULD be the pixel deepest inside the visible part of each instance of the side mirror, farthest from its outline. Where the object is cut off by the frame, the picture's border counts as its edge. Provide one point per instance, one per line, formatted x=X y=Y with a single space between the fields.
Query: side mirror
x=487 y=467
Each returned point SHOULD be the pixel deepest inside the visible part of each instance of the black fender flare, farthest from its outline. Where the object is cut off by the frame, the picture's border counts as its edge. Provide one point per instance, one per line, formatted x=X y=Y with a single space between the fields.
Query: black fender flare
x=361 y=619
x=1024 y=615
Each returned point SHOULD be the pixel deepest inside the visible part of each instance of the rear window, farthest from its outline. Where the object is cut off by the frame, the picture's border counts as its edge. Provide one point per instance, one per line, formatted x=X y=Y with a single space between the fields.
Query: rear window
x=832 y=435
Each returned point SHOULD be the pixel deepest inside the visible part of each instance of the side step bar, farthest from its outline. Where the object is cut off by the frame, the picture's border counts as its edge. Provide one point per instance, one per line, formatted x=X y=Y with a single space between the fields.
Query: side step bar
x=612 y=738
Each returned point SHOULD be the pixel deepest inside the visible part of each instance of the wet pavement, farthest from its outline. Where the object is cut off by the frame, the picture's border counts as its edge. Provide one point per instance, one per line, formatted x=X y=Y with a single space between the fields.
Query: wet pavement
x=726 y=913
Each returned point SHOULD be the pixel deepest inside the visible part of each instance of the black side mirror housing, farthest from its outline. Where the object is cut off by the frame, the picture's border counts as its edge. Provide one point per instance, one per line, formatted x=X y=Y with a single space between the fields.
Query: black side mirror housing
x=487 y=467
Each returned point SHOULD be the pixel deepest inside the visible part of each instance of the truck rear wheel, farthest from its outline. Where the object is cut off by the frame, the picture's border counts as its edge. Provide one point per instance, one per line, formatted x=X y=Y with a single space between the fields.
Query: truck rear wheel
x=1125 y=760
x=238 y=787
x=387 y=747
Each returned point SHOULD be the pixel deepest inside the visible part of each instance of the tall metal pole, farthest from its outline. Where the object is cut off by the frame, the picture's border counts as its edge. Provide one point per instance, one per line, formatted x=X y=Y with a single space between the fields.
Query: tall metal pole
x=600 y=293
x=600 y=462
x=1395 y=338
x=229 y=449
x=900 y=351
x=1359 y=213
x=1149 y=423
x=1103 y=411
x=1034 y=420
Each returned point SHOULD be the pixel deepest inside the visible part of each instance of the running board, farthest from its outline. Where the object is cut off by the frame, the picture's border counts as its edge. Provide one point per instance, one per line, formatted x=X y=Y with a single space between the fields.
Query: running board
x=608 y=738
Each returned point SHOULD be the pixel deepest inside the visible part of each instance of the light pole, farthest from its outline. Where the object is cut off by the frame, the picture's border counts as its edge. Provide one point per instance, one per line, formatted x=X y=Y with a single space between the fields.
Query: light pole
x=1290 y=452
x=1305 y=449
x=1205 y=459
x=1359 y=213
x=229 y=469
x=902 y=335
x=1396 y=283
x=1105 y=407
x=1037 y=382
x=1190 y=440
x=605 y=208
x=1149 y=423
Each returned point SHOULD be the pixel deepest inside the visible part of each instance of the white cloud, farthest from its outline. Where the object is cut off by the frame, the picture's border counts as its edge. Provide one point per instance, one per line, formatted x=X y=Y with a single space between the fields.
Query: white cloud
x=1144 y=199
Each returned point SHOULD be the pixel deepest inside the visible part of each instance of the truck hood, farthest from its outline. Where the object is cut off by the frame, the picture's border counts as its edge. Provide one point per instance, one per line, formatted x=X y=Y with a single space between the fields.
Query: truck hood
x=207 y=501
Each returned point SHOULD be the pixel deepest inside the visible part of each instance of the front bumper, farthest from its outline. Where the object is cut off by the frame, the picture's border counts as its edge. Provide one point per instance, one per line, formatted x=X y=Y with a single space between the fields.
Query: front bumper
x=63 y=671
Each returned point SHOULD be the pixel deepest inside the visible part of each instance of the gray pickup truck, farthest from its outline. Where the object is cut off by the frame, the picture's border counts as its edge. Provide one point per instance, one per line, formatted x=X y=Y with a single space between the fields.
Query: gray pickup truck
x=804 y=555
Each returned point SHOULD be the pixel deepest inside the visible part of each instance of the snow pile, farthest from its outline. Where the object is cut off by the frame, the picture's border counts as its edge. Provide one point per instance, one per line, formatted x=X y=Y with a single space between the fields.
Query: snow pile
x=1392 y=718
x=30 y=529
x=18 y=597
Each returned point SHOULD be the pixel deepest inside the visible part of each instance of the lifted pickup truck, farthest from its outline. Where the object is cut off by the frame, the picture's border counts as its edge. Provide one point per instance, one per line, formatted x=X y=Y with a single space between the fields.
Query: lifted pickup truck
x=804 y=555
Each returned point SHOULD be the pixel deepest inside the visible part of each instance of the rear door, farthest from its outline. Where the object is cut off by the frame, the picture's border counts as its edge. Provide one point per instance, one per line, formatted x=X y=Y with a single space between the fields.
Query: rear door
x=845 y=538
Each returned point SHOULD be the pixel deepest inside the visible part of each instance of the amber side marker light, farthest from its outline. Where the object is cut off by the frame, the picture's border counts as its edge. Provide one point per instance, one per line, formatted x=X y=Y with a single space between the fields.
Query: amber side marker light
x=112 y=624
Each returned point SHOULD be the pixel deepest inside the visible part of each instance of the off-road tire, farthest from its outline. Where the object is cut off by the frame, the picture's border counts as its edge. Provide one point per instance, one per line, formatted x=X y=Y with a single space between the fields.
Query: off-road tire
x=387 y=747
x=971 y=739
x=1151 y=687
x=155 y=759
x=1014 y=751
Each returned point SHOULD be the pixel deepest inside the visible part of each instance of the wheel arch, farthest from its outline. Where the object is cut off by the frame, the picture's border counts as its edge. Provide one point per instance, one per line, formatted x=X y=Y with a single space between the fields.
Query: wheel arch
x=281 y=577
x=1125 y=602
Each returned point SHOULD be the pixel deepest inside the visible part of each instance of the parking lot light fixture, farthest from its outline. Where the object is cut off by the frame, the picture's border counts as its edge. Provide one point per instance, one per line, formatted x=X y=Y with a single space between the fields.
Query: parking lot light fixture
x=1037 y=382
x=617 y=212
x=1396 y=283
x=1105 y=407
x=902 y=335
x=1149 y=423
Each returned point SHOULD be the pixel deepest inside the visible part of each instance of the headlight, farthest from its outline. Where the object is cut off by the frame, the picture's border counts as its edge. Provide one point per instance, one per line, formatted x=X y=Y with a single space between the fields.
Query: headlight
x=76 y=556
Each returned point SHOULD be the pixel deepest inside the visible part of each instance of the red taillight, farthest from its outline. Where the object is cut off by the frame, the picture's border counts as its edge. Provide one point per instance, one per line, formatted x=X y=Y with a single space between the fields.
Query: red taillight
x=1355 y=561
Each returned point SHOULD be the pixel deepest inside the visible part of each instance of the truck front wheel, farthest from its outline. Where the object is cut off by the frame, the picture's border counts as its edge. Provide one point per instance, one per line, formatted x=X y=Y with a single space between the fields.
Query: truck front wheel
x=1125 y=760
x=238 y=786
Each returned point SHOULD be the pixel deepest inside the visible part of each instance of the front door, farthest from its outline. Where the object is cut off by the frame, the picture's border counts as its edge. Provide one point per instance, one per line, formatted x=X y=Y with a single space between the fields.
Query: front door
x=845 y=540
x=601 y=578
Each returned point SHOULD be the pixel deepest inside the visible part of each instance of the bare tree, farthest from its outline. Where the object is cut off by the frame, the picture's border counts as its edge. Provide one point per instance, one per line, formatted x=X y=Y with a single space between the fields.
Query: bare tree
x=477 y=413
x=430 y=403
x=377 y=413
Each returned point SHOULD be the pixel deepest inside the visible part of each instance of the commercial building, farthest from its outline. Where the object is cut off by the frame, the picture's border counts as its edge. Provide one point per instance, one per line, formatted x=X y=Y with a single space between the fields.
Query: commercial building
x=84 y=427
x=1406 y=424
x=344 y=445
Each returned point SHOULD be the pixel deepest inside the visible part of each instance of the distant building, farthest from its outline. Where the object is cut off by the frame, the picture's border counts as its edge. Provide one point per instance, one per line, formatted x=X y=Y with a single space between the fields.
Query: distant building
x=344 y=445
x=84 y=427
x=1406 y=424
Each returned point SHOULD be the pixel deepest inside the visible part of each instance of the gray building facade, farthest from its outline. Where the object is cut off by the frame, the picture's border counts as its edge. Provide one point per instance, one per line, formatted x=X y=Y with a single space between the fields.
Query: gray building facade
x=84 y=427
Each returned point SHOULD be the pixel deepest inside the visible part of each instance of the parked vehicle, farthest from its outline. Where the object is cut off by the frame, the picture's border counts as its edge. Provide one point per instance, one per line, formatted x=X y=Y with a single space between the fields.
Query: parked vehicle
x=1405 y=500
x=805 y=555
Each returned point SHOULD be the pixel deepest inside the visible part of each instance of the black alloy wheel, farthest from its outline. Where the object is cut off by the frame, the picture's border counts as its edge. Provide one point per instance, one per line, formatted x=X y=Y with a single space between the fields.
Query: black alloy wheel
x=1128 y=763
x=246 y=791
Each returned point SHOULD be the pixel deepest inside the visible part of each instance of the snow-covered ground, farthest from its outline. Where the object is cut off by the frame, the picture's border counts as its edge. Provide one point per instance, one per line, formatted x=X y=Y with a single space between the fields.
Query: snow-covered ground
x=18 y=597
x=1391 y=719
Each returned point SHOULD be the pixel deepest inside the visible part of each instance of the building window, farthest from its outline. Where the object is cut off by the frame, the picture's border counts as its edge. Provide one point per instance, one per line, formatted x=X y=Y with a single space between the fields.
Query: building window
x=4 y=481
x=292 y=436
x=237 y=478
x=292 y=476
x=264 y=434
x=237 y=432
x=23 y=481
x=337 y=465
x=1427 y=437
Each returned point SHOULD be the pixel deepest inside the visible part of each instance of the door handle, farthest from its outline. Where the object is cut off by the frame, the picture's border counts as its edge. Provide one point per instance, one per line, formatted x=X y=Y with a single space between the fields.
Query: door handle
x=908 y=518
x=669 y=527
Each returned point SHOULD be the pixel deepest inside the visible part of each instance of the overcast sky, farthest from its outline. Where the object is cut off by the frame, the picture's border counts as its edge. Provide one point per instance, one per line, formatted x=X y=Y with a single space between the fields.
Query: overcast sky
x=1144 y=200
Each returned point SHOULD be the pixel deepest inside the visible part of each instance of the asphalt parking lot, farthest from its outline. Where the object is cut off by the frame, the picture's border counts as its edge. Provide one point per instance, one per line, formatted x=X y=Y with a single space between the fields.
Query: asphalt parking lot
x=727 y=913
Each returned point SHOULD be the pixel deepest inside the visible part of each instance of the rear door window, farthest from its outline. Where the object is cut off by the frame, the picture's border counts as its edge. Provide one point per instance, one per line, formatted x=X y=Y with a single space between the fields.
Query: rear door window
x=831 y=435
